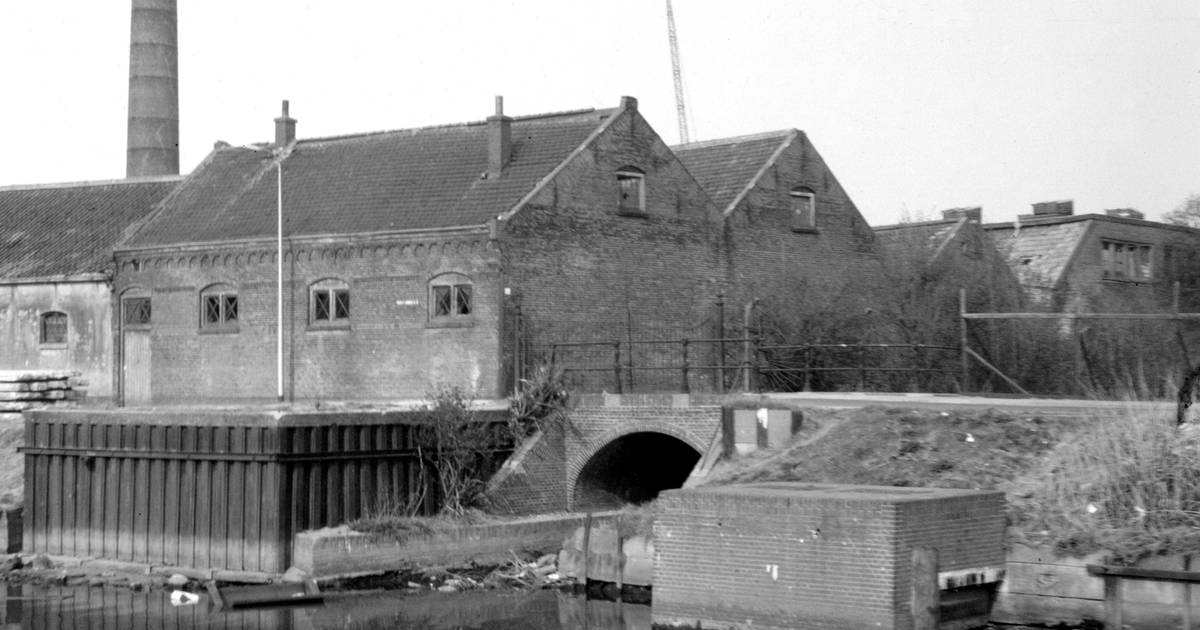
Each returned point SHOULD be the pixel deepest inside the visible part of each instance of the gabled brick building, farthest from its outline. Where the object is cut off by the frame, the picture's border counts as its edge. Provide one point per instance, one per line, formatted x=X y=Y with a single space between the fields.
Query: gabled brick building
x=430 y=256
x=55 y=269
x=787 y=217
x=1115 y=260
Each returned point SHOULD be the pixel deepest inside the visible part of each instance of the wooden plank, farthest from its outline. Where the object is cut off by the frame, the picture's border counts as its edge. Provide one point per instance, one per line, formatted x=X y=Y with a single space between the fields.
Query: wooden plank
x=1052 y=580
x=112 y=493
x=253 y=500
x=189 y=490
x=47 y=395
x=1144 y=574
x=33 y=489
x=333 y=479
x=33 y=386
x=17 y=376
x=141 y=496
x=41 y=521
x=157 y=501
x=83 y=495
x=236 y=532
x=1129 y=316
x=54 y=494
x=99 y=487
x=70 y=465
x=275 y=532
x=219 y=534
x=172 y=490
x=1022 y=608
x=129 y=490
x=204 y=496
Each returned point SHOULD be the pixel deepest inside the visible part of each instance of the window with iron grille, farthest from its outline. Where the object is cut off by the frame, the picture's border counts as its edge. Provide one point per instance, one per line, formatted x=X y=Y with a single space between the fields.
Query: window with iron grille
x=53 y=327
x=451 y=299
x=804 y=209
x=219 y=308
x=632 y=185
x=1125 y=261
x=136 y=311
x=329 y=303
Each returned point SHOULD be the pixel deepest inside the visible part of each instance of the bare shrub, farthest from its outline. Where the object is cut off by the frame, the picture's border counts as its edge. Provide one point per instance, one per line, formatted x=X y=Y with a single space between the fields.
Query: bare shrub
x=1128 y=483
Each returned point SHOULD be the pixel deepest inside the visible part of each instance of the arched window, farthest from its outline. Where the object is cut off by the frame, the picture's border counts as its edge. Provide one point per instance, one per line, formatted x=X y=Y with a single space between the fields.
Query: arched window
x=329 y=303
x=53 y=327
x=631 y=182
x=804 y=209
x=451 y=299
x=219 y=308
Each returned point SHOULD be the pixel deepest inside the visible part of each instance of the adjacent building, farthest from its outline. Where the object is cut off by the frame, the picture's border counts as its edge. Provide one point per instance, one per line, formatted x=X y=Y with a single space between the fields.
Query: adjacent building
x=56 y=272
x=1115 y=260
x=423 y=257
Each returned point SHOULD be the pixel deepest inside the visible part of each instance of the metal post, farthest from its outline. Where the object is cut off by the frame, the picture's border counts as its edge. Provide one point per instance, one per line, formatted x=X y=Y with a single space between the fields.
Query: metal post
x=747 y=348
x=279 y=278
x=964 y=382
x=683 y=385
x=808 y=368
x=720 y=343
x=617 y=364
x=862 y=368
x=516 y=348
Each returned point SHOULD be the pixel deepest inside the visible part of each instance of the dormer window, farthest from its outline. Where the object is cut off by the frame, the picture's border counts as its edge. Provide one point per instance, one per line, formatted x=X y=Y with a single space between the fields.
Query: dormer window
x=804 y=209
x=632 y=185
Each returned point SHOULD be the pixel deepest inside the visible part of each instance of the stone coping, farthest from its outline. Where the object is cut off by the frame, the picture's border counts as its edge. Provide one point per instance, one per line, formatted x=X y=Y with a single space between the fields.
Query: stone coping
x=215 y=416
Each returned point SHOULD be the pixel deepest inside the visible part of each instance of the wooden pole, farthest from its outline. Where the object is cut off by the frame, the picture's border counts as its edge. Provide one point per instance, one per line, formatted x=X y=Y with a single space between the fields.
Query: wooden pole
x=964 y=379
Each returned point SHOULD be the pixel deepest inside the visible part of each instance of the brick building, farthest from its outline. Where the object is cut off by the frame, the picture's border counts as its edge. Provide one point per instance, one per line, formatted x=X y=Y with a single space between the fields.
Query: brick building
x=1115 y=261
x=55 y=270
x=427 y=256
x=787 y=218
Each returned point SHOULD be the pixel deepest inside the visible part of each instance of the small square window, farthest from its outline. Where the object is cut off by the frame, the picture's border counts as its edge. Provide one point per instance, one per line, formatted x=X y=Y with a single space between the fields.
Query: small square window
x=1125 y=261
x=219 y=309
x=631 y=183
x=804 y=210
x=136 y=311
x=452 y=301
x=329 y=304
x=54 y=327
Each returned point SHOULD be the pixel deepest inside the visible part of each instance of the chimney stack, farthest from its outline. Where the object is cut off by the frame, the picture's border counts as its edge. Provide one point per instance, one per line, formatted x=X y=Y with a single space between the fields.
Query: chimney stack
x=285 y=128
x=974 y=213
x=1125 y=213
x=499 y=129
x=1054 y=208
x=153 y=141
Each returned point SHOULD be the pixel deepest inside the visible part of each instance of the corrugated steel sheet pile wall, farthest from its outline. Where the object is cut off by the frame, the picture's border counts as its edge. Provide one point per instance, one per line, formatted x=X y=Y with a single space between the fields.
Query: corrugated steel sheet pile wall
x=34 y=389
x=209 y=488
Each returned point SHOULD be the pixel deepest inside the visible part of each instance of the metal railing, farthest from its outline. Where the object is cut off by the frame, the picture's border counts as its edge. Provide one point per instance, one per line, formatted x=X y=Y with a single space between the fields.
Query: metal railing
x=724 y=364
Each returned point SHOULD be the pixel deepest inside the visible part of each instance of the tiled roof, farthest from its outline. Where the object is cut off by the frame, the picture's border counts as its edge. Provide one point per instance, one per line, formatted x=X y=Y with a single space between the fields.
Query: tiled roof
x=728 y=166
x=928 y=234
x=1038 y=254
x=70 y=229
x=374 y=182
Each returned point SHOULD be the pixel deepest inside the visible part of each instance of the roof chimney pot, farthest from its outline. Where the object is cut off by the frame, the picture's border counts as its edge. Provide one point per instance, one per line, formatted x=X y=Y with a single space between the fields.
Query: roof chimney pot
x=499 y=128
x=974 y=213
x=285 y=128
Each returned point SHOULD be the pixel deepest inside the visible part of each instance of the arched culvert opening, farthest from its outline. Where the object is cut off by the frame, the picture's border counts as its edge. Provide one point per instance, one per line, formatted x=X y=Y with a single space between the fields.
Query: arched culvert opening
x=633 y=468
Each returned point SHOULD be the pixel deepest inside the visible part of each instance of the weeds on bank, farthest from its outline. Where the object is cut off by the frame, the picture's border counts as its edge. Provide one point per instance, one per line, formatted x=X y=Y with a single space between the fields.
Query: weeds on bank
x=1126 y=483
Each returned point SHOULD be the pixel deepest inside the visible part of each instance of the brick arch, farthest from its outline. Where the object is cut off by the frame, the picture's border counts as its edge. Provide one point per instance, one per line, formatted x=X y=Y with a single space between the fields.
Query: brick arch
x=593 y=445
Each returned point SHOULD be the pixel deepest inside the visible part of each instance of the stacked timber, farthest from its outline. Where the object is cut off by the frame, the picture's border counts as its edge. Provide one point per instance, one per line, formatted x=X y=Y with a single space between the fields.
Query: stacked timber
x=36 y=389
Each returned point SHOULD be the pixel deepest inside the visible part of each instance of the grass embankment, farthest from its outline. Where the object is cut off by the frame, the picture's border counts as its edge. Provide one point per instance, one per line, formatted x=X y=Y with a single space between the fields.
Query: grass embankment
x=1124 y=483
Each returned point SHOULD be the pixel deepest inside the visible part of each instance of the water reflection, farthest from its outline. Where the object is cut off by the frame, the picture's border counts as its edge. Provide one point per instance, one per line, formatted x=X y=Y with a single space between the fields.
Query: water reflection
x=42 y=608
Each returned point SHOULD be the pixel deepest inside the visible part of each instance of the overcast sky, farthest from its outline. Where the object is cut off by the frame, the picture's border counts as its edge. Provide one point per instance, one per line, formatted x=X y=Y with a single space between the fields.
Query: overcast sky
x=917 y=105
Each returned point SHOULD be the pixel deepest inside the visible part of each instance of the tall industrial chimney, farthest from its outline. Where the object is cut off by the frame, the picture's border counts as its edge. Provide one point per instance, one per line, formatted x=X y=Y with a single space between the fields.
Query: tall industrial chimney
x=153 y=147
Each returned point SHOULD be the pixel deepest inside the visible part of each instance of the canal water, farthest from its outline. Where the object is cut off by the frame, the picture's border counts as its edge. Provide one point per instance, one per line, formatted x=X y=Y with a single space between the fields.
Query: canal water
x=110 y=608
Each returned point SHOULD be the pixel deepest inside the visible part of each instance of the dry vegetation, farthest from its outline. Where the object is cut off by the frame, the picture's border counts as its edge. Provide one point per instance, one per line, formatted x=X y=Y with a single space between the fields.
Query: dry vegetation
x=1125 y=483
x=12 y=465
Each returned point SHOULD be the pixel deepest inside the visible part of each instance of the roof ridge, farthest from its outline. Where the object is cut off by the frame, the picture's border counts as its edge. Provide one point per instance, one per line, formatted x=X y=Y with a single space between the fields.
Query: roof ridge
x=764 y=135
x=456 y=125
x=158 y=179
x=911 y=224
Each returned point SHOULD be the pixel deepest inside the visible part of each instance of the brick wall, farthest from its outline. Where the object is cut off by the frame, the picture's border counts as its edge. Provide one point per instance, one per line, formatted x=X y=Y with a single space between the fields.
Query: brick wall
x=533 y=480
x=389 y=350
x=786 y=555
x=767 y=257
x=584 y=272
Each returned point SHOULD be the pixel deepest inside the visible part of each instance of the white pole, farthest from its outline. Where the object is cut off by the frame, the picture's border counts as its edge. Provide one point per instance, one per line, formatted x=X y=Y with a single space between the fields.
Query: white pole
x=279 y=278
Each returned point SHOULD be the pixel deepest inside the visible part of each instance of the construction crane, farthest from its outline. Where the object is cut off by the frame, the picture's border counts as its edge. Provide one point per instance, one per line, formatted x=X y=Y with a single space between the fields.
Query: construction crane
x=680 y=104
